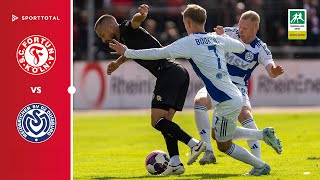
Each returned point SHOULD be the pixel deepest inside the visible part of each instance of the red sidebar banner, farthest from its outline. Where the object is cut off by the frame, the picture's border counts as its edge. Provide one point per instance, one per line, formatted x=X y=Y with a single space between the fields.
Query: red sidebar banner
x=35 y=104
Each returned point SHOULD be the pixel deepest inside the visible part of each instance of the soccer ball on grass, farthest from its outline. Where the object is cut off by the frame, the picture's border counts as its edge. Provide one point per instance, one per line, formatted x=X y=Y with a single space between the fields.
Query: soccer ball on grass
x=156 y=162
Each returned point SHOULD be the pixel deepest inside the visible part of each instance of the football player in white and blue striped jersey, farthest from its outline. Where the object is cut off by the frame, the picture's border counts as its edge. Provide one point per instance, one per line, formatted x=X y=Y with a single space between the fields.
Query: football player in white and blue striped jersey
x=206 y=53
x=240 y=66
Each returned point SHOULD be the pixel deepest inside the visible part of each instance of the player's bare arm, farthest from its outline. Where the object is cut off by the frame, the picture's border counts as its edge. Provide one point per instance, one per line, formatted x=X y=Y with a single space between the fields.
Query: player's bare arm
x=219 y=30
x=274 y=71
x=140 y=16
x=118 y=47
x=114 y=65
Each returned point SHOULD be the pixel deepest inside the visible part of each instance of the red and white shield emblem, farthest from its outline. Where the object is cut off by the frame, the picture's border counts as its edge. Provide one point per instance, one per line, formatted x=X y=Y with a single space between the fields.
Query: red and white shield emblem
x=36 y=55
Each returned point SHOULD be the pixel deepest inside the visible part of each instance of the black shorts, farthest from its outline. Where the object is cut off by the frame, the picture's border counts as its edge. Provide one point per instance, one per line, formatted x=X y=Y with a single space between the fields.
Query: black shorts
x=171 y=88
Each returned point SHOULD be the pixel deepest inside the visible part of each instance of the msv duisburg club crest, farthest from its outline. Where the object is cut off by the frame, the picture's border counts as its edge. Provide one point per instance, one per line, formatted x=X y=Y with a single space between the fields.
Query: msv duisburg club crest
x=249 y=56
x=36 y=123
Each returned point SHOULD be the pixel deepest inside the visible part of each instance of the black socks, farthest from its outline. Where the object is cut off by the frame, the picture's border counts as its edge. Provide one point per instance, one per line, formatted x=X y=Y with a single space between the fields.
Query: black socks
x=172 y=129
x=172 y=145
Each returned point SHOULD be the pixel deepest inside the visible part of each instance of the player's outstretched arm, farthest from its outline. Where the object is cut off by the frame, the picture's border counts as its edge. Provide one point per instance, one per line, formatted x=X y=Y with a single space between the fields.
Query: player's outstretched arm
x=113 y=65
x=274 y=71
x=146 y=54
x=140 y=16
x=231 y=45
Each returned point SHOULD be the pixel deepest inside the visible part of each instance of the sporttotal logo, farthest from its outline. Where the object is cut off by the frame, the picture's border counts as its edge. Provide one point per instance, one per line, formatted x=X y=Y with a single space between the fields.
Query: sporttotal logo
x=36 y=55
x=14 y=18
x=297 y=24
x=36 y=123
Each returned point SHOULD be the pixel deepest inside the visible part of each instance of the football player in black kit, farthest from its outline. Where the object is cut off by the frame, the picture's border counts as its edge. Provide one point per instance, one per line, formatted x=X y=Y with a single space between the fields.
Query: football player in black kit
x=171 y=85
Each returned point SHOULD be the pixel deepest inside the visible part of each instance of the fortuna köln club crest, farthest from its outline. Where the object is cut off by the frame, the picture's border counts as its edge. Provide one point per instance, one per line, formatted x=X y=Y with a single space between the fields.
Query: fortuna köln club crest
x=36 y=55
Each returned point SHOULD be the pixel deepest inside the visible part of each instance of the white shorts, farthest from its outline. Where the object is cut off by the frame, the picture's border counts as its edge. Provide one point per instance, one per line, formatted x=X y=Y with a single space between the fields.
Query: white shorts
x=224 y=121
x=243 y=89
x=225 y=118
x=245 y=98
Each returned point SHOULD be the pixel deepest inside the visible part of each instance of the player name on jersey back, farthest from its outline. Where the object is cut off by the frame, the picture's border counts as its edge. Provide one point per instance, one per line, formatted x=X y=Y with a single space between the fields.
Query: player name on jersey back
x=206 y=40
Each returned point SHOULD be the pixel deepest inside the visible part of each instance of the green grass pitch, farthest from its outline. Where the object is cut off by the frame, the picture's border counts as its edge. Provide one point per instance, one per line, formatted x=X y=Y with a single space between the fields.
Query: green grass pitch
x=115 y=147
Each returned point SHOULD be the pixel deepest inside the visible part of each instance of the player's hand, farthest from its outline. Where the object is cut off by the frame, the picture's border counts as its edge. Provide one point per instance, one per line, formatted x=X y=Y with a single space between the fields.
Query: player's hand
x=276 y=71
x=140 y=16
x=112 y=66
x=118 y=47
x=143 y=10
x=219 y=30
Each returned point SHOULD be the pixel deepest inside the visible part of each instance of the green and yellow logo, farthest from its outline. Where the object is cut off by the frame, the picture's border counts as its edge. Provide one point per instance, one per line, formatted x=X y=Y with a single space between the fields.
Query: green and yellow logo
x=297 y=17
x=297 y=24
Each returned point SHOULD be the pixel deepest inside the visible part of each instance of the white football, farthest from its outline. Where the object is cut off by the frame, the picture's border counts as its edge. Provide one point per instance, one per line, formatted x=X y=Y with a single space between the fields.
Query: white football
x=156 y=162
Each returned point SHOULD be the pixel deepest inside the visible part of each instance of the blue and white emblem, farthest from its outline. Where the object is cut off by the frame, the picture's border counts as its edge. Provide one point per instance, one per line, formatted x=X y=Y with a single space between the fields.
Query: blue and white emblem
x=249 y=56
x=36 y=123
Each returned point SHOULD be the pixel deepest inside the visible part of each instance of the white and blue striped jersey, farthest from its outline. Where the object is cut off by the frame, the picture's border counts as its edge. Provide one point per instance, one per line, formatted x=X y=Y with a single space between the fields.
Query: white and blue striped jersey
x=241 y=65
x=206 y=53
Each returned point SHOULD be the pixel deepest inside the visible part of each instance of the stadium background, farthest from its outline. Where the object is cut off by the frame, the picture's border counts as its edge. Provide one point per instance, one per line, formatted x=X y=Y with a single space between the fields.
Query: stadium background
x=131 y=86
x=111 y=123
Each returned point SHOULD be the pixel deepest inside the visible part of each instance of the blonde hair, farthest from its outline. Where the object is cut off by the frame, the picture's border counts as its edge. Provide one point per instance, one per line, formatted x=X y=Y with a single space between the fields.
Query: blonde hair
x=251 y=16
x=196 y=13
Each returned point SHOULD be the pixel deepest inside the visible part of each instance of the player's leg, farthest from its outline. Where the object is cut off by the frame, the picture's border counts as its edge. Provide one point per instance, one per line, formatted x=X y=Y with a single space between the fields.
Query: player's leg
x=161 y=110
x=167 y=91
x=171 y=142
x=175 y=167
x=268 y=135
x=170 y=92
x=178 y=106
x=243 y=155
x=202 y=103
x=247 y=121
x=171 y=114
x=226 y=116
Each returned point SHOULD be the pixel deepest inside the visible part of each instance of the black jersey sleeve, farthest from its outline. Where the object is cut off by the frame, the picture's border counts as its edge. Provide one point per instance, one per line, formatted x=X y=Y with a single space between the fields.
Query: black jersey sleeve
x=137 y=38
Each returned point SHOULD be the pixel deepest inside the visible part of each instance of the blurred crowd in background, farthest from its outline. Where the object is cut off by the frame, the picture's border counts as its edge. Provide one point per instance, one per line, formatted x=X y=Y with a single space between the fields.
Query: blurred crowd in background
x=164 y=20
